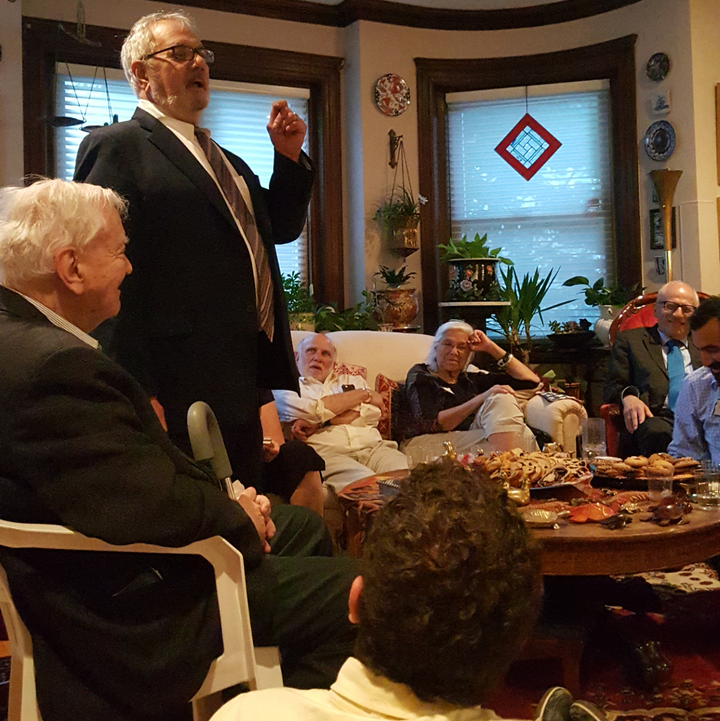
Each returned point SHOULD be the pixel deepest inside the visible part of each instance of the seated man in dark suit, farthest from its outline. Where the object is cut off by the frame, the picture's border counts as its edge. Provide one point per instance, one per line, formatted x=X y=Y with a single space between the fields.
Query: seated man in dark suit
x=647 y=368
x=122 y=637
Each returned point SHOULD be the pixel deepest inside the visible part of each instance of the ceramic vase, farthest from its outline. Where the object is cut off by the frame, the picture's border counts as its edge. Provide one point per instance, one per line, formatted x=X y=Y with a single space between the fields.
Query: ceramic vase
x=398 y=306
x=603 y=323
x=471 y=279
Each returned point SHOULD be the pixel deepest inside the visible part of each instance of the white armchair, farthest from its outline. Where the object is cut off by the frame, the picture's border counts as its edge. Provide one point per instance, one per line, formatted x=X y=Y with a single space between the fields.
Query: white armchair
x=239 y=662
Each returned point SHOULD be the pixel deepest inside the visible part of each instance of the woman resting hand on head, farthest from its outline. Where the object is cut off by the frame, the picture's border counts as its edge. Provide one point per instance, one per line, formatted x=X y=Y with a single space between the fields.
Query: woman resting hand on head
x=466 y=408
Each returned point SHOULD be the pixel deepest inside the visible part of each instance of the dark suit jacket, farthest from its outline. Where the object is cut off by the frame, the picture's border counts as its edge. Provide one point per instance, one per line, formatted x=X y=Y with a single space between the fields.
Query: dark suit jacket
x=188 y=325
x=637 y=360
x=81 y=446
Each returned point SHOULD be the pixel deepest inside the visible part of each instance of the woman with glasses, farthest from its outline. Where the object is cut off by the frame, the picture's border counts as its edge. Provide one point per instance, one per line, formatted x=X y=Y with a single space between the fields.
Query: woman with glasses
x=445 y=400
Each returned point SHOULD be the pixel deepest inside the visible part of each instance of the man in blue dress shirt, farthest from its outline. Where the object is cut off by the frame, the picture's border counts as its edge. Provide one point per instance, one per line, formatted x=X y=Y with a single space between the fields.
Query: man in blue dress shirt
x=697 y=413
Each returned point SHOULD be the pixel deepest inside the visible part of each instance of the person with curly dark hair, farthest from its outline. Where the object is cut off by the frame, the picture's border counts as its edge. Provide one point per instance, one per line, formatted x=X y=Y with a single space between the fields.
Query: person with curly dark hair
x=450 y=587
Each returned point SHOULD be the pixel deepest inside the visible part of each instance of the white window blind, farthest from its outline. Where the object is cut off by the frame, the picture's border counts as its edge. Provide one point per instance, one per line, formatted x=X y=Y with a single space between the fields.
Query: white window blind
x=562 y=217
x=237 y=116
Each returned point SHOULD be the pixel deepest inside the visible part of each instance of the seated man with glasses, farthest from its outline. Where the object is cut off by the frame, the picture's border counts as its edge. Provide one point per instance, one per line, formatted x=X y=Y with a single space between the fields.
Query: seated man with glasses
x=448 y=403
x=648 y=366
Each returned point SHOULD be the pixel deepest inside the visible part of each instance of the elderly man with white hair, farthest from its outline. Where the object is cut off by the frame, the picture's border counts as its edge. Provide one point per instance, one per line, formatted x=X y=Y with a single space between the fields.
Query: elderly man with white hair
x=469 y=409
x=647 y=369
x=124 y=636
x=338 y=416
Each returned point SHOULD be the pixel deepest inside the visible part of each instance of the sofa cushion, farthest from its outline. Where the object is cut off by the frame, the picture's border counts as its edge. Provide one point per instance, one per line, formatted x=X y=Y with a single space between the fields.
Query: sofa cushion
x=351 y=370
x=385 y=387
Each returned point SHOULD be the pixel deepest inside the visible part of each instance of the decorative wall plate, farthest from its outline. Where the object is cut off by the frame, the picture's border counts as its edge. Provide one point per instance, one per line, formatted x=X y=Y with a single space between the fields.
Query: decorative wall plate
x=658 y=67
x=392 y=94
x=660 y=140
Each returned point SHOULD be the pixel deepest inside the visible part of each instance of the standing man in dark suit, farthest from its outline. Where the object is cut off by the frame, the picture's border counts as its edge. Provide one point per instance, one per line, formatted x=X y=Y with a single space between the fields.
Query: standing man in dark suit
x=647 y=368
x=204 y=315
x=120 y=636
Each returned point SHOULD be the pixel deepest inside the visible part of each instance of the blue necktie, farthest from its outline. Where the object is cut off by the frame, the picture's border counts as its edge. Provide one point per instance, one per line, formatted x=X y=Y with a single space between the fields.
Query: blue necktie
x=676 y=371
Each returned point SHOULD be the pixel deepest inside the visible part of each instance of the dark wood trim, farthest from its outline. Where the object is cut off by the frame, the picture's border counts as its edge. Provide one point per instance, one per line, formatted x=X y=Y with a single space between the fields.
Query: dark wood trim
x=614 y=60
x=44 y=45
x=394 y=13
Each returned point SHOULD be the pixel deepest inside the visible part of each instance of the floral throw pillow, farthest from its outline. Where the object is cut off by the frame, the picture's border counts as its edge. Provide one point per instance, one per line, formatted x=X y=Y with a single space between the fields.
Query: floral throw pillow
x=350 y=370
x=385 y=387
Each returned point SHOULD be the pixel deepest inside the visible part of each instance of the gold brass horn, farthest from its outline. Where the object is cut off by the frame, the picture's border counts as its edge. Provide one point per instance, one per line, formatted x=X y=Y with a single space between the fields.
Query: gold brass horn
x=665 y=182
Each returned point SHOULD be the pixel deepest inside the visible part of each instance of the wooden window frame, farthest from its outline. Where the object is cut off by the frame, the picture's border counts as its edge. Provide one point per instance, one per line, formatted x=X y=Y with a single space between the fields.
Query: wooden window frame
x=613 y=60
x=44 y=45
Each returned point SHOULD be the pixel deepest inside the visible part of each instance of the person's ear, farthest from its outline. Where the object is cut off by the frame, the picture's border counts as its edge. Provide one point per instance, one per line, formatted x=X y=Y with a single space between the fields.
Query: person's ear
x=68 y=269
x=354 y=599
x=139 y=70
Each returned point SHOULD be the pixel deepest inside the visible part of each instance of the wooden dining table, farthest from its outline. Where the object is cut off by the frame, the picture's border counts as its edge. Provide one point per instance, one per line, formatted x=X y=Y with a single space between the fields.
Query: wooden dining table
x=573 y=549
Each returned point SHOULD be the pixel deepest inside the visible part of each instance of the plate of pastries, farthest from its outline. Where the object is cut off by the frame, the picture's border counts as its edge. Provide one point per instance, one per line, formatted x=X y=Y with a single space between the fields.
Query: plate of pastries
x=543 y=470
x=639 y=468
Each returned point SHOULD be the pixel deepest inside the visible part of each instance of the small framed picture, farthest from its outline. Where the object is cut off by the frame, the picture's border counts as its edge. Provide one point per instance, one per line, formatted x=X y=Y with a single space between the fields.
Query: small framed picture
x=657 y=234
x=660 y=103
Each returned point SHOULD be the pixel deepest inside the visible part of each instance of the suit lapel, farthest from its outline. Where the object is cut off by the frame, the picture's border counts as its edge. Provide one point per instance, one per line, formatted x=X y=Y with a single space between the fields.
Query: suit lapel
x=173 y=149
x=694 y=355
x=653 y=343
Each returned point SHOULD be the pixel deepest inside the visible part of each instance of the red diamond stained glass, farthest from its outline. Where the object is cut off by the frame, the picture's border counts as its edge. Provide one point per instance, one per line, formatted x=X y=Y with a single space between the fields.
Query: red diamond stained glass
x=527 y=147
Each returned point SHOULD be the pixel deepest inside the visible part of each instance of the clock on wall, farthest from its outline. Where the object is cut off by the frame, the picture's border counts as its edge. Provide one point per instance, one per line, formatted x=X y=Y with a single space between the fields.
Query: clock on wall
x=392 y=94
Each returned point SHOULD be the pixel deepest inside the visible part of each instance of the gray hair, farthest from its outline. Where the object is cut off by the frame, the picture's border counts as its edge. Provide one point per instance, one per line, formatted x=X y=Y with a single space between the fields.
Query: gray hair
x=39 y=220
x=300 y=347
x=440 y=333
x=140 y=41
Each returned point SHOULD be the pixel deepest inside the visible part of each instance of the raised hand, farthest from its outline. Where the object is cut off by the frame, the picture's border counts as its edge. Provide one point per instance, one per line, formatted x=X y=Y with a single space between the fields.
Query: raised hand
x=286 y=130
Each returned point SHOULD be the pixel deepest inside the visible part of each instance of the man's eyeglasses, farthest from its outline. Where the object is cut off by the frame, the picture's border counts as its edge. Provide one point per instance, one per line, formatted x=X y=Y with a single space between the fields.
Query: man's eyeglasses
x=671 y=307
x=185 y=54
x=461 y=348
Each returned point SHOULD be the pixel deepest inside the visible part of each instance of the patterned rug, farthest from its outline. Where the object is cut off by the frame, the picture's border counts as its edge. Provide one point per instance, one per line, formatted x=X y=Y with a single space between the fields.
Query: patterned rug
x=690 y=638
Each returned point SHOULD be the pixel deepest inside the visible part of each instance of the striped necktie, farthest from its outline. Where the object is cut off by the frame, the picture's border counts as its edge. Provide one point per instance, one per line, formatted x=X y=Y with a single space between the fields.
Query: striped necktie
x=265 y=301
x=676 y=371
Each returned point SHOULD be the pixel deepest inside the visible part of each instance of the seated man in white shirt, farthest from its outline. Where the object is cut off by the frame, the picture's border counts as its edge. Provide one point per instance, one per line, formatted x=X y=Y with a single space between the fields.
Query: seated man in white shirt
x=450 y=587
x=337 y=415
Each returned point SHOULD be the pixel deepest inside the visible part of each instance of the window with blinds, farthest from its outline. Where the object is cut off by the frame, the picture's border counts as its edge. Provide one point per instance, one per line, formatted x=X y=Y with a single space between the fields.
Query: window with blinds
x=562 y=217
x=237 y=116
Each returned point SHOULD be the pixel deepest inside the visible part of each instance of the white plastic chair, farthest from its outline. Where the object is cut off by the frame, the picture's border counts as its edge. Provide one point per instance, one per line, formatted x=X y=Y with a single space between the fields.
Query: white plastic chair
x=239 y=662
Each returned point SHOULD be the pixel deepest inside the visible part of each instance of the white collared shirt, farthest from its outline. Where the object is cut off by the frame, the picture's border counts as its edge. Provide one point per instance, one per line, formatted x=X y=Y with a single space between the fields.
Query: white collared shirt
x=185 y=132
x=60 y=322
x=357 y=694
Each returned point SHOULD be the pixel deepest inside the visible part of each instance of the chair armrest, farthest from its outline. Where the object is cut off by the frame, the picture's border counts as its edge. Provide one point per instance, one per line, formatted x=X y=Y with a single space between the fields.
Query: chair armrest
x=614 y=423
x=561 y=420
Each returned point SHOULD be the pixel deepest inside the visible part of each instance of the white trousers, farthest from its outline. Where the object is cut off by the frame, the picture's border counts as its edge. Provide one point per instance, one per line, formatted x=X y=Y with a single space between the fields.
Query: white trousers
x=499 y=414
x=344 y=468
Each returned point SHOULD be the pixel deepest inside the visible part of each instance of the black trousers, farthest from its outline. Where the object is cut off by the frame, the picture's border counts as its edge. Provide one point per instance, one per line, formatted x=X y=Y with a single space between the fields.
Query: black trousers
x=653 y=435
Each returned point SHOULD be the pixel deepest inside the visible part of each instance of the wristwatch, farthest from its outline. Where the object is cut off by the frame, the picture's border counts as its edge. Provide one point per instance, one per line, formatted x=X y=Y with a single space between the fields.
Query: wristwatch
x=503 y=362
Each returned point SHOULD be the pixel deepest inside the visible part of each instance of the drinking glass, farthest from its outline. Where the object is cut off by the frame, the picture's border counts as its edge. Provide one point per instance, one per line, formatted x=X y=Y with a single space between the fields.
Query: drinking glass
x=593 y=438
x=660 y=484
x=707 y=489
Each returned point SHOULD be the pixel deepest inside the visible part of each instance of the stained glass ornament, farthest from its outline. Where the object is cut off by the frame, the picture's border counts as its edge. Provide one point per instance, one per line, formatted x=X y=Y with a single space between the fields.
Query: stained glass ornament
x=528 y=146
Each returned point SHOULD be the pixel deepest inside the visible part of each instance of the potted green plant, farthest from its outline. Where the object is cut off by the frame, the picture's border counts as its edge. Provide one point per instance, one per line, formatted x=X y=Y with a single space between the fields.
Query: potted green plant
x=526 y=297
x=357 y=317
x=472 y=268
x=610 y=299
x=399 y=216
x=570 y=334
x=398 y=306
x=300 y=303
